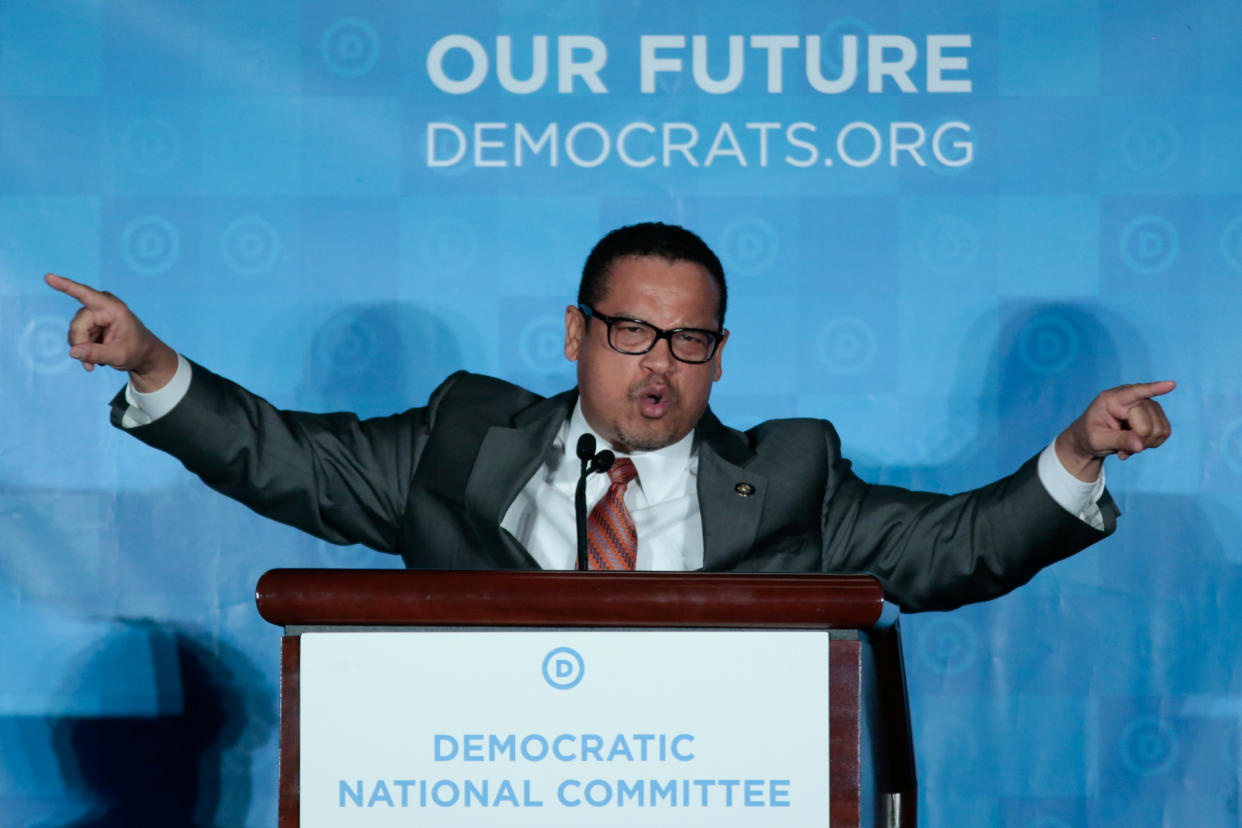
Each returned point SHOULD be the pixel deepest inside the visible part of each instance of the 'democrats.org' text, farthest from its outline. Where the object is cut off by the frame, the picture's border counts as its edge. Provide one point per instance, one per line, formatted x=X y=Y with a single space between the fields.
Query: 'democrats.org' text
x=752 y=144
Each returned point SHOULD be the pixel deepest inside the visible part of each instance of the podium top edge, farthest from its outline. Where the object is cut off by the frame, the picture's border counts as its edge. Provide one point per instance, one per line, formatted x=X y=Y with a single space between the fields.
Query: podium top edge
x=388 y=597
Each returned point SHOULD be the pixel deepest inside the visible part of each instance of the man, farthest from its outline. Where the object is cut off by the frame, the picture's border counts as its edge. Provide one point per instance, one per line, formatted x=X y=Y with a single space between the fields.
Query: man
x=482 y=476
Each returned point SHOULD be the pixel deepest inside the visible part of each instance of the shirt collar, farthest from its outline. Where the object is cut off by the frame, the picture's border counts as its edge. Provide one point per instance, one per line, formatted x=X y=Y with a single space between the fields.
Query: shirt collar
x=661 y=473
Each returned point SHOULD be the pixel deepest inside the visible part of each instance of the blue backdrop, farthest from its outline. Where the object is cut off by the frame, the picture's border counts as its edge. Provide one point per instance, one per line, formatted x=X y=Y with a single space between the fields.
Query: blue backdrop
x=947 y=226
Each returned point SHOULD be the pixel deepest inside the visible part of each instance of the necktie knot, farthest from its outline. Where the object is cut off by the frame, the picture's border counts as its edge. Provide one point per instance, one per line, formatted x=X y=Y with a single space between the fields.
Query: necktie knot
x=622 y=471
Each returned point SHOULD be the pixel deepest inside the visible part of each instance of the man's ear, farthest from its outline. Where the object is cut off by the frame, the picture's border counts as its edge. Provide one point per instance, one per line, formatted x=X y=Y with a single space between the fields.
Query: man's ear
x=575 y=329
x=718 y=370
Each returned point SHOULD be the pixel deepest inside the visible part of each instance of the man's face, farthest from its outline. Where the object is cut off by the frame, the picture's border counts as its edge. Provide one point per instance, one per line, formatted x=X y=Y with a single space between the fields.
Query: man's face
x=646 y=401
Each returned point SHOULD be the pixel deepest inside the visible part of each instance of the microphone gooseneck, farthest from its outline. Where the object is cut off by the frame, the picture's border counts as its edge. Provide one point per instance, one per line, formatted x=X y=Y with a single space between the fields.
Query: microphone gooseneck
x=592 y=463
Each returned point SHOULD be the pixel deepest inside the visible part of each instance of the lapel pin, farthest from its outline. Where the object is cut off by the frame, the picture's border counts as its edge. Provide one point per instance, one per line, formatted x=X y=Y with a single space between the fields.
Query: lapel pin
x=744 y=489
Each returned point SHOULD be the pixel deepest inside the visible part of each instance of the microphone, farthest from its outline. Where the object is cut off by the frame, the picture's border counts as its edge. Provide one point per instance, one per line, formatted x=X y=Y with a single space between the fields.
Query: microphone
x=592 y=463
x=603 y=461
x=586 y=450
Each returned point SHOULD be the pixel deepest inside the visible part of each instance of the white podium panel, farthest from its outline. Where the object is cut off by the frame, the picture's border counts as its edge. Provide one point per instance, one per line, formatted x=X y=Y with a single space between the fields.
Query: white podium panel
x=564 y=728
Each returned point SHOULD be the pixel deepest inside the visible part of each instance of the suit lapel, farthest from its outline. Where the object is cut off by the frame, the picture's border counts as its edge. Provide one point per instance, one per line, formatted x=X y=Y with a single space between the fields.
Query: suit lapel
x=508 y=457
x=730 y=497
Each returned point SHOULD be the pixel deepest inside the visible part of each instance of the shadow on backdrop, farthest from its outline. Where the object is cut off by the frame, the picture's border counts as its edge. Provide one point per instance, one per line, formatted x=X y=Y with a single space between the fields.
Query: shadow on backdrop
x=377 y=359
x=181 y=713
x=1116 y=666
x=1045 y=364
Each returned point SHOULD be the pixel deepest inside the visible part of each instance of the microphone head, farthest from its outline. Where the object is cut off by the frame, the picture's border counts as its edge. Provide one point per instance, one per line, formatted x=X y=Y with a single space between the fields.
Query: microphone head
x=603 y=461
x=586 y=447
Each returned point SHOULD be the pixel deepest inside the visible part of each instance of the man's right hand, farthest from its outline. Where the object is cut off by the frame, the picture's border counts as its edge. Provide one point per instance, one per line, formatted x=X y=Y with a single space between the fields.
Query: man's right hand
x=105 y=332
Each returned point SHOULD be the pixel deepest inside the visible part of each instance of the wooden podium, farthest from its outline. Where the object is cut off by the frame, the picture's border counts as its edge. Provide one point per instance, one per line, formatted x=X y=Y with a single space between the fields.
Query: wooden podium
x=871 y=763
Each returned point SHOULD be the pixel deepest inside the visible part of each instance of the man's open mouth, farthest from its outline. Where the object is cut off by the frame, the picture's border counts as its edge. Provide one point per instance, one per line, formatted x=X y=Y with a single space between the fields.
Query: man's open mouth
x=654 y=401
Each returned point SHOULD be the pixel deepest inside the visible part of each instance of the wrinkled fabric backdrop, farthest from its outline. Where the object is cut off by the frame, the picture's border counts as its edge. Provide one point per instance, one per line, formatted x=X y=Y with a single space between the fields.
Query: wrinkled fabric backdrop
x=948 y=262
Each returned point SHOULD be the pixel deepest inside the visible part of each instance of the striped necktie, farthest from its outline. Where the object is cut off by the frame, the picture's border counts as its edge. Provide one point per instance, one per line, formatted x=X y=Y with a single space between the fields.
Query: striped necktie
x=612 y=542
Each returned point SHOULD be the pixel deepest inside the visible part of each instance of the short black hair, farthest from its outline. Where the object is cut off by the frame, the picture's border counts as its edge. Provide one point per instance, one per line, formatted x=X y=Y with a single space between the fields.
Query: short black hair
x=652 y=238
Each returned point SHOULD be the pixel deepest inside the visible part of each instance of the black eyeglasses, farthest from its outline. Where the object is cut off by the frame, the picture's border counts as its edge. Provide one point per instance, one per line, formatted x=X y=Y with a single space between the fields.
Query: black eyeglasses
x=632 y=336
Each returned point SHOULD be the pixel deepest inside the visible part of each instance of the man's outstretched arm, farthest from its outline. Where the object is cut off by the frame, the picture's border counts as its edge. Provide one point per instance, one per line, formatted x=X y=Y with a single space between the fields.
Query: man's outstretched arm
x=332 y=475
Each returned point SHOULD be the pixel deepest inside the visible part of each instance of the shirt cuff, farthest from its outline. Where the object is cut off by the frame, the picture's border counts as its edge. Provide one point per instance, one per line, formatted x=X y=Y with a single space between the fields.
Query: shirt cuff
x=146 y=408
x=1075 y=496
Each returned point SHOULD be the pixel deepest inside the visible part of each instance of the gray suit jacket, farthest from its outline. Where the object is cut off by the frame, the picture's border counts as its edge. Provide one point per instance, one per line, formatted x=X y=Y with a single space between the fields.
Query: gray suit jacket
x=433 y=484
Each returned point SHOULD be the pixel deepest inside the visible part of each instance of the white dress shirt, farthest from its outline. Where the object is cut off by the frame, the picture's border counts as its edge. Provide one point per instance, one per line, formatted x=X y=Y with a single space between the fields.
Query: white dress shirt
x=663 y=499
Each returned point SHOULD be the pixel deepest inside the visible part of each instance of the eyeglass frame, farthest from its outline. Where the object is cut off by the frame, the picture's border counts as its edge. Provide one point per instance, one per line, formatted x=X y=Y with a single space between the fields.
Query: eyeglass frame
x=716 y=337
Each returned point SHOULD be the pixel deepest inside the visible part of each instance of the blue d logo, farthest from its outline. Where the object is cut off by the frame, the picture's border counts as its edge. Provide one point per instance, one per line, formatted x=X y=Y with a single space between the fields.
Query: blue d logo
x=563 y=668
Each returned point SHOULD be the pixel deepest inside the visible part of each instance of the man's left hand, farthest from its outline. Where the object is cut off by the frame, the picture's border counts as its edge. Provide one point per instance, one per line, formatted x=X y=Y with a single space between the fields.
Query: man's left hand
x=1123 y=421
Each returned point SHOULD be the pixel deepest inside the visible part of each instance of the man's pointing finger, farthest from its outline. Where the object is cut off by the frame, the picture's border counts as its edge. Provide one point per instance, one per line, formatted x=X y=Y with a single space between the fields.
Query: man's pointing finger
x=1130 y=395
x=85 y=294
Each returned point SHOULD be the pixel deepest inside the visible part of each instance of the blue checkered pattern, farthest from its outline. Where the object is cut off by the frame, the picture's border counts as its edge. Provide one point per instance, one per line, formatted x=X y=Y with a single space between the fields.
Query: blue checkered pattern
x=253 y=179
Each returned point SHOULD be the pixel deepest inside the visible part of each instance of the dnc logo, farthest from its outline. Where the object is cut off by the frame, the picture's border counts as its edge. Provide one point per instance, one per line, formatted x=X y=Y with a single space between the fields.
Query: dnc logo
x=563 y=668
